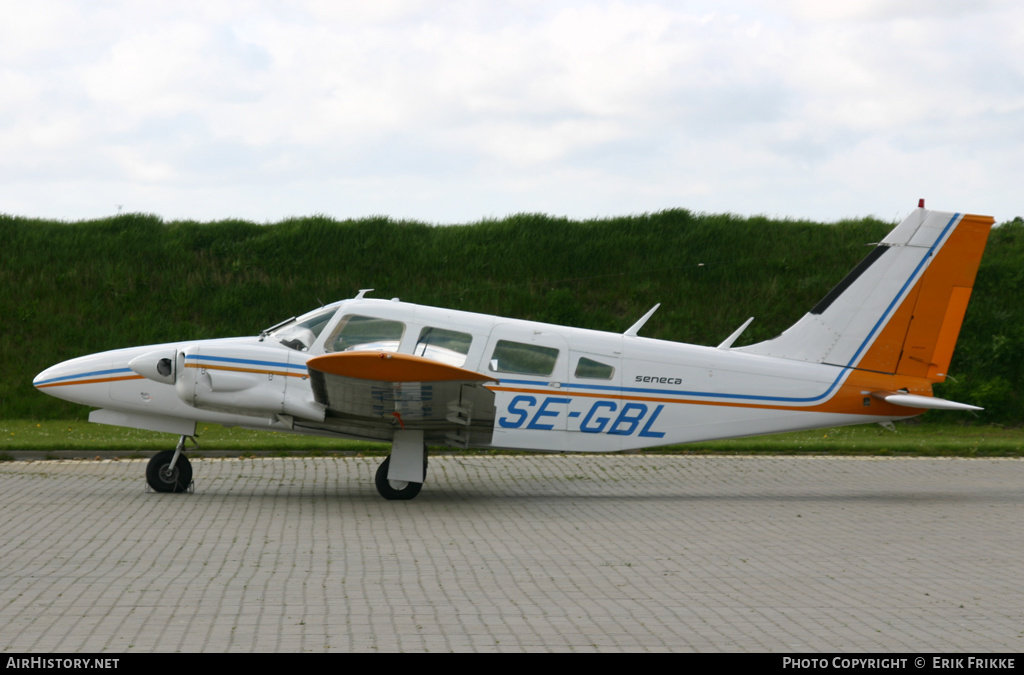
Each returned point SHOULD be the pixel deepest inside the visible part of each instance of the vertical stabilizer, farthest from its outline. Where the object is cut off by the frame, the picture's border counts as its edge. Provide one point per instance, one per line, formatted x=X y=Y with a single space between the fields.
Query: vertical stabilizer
x=900 y=309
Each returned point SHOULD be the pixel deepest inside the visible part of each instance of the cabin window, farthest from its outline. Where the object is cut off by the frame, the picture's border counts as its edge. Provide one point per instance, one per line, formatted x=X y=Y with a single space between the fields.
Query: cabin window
x=593 y=370
x=446 y=346
x=523 y=359
x=367 y=334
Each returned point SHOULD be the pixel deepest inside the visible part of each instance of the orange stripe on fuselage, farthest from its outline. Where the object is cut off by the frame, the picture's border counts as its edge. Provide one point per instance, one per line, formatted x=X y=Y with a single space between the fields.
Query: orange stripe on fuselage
x=852 y=398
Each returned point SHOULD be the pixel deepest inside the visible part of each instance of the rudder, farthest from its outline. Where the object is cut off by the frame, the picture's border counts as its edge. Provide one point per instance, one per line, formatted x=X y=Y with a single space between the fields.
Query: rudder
x=926 y=332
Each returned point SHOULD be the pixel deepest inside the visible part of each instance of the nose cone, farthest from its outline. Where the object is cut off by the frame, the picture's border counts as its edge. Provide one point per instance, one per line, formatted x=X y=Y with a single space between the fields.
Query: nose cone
x=83 y=380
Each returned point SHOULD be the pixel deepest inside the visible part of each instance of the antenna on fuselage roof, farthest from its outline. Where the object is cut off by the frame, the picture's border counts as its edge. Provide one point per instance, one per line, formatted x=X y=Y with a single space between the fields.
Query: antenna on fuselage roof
x=635 y=328
x=362 y=292
x=727 y=344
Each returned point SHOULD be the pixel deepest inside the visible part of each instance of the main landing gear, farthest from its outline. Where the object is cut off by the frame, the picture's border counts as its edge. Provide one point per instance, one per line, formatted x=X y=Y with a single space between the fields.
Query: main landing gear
x=170 y=470
x=397 y=489
x=401 y=474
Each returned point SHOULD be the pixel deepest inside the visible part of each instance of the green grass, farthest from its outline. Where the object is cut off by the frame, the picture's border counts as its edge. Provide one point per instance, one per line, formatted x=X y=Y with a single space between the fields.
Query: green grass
x=68 y=289
x=47 y=435
x=909 y=439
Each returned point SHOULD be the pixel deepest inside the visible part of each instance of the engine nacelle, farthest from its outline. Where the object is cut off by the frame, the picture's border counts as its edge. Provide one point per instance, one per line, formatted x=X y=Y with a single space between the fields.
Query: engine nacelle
x=158 y=366
x=246 y=380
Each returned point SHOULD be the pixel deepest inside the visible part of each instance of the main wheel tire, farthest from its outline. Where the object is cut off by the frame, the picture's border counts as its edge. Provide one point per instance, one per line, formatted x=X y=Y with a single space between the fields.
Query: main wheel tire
x=162 y=479
x=395 y=489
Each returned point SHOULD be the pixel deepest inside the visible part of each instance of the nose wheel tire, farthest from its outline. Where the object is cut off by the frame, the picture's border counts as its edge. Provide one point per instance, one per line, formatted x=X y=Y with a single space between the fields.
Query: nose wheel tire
x=162 y=478
x=395 y=489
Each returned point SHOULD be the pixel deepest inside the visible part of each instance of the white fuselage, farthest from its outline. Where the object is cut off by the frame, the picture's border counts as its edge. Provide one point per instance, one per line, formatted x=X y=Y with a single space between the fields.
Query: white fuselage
x=591 y=392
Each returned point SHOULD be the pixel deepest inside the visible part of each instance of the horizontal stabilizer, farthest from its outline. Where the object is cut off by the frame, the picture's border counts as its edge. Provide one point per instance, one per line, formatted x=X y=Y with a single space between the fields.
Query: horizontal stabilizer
x=929 y=402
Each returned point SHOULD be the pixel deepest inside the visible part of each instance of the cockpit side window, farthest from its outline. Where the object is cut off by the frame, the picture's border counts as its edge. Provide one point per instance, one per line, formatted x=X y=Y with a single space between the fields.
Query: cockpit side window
x=366 y=333
x=446 y=346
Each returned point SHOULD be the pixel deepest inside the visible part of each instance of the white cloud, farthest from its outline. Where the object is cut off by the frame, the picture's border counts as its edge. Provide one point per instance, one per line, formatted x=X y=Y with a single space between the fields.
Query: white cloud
x=468 y=108
x=882 y=10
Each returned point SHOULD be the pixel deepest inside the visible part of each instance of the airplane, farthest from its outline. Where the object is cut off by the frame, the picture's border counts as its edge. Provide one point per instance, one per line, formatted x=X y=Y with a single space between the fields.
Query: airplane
x=418 y=376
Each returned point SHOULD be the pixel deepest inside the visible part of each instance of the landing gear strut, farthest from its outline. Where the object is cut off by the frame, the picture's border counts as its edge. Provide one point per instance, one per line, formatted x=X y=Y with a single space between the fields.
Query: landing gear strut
x=170 y=470
x=403 y=478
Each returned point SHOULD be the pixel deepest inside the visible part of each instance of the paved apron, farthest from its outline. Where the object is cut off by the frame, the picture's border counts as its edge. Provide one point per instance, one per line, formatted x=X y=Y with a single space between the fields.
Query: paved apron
x=517 y=553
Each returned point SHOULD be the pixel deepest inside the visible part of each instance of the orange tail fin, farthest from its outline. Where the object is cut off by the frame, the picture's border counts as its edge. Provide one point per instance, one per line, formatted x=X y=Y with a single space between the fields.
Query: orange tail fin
x=900 y=310
x=918 y=340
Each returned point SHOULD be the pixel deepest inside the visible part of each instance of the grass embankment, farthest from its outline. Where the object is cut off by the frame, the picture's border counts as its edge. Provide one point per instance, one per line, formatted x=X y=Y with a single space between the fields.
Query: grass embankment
x=909 y=439
x=68 y=289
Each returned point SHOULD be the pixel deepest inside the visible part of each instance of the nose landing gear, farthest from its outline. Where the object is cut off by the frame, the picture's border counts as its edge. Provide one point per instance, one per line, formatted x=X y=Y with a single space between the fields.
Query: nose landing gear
x=170 y=470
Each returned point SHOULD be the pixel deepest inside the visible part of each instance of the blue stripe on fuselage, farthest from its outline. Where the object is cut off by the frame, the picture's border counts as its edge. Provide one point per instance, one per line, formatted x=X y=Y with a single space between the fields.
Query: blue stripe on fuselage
x=94 y=373
x=225 y=359
x=775 y=399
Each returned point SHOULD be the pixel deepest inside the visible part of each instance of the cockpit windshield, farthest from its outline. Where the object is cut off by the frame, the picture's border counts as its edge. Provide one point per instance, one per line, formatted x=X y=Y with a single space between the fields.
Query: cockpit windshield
x=303 y=332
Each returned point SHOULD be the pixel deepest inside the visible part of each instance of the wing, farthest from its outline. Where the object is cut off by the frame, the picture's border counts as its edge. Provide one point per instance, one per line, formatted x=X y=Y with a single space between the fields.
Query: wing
x=407 y=392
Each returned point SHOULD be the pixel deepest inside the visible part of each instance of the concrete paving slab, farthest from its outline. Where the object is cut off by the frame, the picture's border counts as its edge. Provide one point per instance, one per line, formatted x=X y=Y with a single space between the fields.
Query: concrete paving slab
x=517 y=553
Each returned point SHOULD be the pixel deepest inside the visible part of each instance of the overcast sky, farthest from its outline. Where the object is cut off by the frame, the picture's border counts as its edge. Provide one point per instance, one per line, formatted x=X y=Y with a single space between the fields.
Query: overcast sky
x=450 y=111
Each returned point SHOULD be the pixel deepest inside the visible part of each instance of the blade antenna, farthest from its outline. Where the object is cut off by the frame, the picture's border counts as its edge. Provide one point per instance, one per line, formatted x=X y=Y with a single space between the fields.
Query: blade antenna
x=635 y=328
x=727 y=343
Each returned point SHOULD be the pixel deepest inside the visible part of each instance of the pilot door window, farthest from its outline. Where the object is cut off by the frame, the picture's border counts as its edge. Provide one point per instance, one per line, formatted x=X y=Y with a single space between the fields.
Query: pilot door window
x=366 y=334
